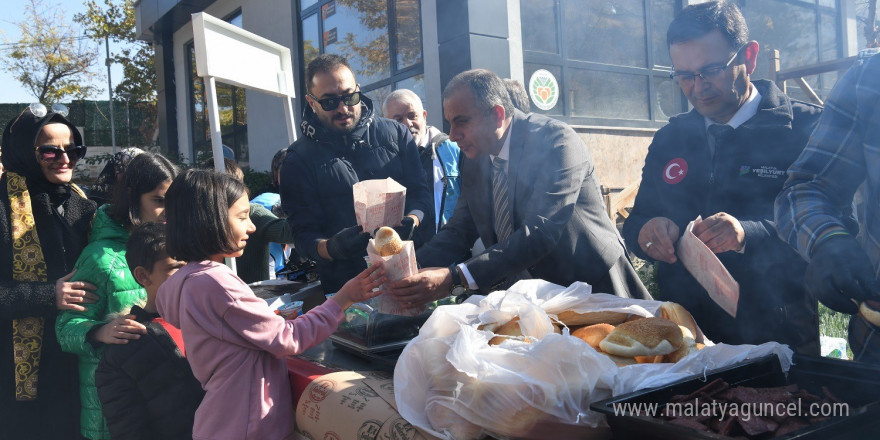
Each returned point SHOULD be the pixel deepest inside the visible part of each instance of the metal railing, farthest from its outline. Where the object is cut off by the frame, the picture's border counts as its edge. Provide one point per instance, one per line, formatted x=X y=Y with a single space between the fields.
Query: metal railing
x=797 y=74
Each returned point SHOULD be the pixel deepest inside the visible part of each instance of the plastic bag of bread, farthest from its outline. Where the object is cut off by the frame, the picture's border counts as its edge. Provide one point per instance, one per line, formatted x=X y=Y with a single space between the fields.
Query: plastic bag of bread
x=507 y=364
x=400 y=262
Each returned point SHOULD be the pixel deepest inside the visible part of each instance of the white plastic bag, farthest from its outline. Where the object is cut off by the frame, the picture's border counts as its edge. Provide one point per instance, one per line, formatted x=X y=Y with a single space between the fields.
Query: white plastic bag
x=449 y=373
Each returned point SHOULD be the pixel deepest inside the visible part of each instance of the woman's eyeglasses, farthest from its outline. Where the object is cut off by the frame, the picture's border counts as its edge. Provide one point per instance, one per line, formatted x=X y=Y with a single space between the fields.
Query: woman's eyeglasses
x=39 y=110
x=52 y=153
x=331 y=103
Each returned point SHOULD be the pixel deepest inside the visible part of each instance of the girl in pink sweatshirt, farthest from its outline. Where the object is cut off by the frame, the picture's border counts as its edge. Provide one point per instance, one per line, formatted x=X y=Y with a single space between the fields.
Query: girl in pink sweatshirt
x=234 y=342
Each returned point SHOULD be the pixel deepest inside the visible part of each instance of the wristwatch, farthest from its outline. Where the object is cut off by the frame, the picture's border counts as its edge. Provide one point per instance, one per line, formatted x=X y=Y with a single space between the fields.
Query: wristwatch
x=456 y=276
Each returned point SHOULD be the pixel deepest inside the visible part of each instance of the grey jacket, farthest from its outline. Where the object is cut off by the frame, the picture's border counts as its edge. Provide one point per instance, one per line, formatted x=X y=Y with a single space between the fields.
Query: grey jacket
x=561 y=231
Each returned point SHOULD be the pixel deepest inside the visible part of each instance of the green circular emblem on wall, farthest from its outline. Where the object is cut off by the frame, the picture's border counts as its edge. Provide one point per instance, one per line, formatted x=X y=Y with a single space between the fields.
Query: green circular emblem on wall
x=543 y=89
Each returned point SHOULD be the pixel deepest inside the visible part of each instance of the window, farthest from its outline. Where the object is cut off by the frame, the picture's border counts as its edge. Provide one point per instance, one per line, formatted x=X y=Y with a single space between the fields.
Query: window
x=232 y=107
x=382 y=40
x=803 y=32
x=609 y=58
x=612 y=65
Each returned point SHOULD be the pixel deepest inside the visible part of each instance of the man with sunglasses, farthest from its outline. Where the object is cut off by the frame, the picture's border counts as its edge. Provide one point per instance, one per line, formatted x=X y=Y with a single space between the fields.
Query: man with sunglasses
x=725 y=161
x=344 y=143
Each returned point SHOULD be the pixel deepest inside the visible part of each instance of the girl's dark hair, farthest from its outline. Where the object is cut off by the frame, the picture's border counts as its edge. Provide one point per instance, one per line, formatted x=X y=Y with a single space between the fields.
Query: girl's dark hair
x=144 y=173
x=197 y=211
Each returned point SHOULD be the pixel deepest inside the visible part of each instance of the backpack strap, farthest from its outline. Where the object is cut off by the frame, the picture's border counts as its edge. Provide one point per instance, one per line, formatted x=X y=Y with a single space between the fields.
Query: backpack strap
x=438 y=139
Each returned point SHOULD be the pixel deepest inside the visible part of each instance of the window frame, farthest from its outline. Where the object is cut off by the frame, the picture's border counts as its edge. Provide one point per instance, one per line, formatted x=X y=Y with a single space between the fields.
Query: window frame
x=561 y=60
x=188 y=50
x=566 y=64
x=397 y=75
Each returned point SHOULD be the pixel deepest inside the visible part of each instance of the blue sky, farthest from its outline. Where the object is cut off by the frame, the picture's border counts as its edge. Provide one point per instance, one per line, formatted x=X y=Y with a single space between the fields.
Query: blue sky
x=13 y=10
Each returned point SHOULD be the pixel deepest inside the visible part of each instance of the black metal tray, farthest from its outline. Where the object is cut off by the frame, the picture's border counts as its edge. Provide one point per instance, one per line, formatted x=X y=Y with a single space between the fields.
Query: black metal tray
x=855 y=383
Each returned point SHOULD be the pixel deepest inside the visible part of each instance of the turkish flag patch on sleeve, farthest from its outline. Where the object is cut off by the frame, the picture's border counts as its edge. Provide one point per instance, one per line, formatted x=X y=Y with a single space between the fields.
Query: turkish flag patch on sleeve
x=675 y=171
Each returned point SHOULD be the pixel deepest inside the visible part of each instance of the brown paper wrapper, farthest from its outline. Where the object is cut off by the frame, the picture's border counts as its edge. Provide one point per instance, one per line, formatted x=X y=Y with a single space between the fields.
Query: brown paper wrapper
x=351 y=405
x=378 y=202
x=397 y=267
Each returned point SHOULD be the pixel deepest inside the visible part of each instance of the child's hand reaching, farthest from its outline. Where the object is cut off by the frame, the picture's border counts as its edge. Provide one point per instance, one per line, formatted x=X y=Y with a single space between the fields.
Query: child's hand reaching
x=360 y=288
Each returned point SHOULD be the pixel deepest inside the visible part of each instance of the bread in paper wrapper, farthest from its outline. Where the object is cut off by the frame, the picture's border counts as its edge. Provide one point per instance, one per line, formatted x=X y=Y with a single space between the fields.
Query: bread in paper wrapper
x=397 y=267
x=378 y=202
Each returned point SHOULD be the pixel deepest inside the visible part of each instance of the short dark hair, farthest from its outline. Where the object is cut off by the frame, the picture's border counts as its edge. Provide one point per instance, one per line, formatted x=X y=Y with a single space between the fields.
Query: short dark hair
x=146 y=246
x=197 y=213
x=487 y=87
x=518 y=95
x=230 y=165
x=144 y=173
x=698 y=20
x=277 y=160
x=324 y=63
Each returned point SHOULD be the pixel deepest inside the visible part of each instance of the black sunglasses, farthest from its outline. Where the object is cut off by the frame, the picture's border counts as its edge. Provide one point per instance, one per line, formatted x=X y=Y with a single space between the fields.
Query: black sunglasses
x=329 y=104
x=52 y=153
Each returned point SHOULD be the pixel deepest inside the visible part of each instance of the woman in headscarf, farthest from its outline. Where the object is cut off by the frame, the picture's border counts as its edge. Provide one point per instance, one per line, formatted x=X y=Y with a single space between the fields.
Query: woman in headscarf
x=102 y=191
x=44 y=225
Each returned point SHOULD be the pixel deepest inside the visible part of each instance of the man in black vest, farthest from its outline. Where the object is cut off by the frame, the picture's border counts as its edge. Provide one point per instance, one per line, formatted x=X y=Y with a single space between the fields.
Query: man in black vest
x=725 y=161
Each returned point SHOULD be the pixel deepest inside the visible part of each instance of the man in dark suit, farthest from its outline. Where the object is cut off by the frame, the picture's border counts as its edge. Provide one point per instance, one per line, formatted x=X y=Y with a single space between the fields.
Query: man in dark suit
x=529 y=193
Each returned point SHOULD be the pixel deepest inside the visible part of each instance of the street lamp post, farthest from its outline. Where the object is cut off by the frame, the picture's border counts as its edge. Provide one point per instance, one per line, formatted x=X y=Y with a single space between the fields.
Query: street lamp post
x=127 y=97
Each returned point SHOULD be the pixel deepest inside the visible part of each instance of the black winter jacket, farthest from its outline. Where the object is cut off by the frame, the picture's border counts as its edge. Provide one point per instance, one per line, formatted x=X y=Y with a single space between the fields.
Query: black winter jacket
x=146 y=387
x=320 y=170
x=742 y=181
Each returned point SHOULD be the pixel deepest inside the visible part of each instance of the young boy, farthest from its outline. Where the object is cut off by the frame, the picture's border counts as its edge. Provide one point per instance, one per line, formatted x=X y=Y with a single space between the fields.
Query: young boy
x=146 y=386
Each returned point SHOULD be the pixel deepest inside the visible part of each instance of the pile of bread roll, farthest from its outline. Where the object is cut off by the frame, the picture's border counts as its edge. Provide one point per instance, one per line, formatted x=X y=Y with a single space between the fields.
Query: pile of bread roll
x=626 y=339
x=387 y=242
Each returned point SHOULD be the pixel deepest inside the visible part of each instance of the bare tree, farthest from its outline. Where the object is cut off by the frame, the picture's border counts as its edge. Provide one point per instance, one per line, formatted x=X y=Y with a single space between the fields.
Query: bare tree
x=50 y=59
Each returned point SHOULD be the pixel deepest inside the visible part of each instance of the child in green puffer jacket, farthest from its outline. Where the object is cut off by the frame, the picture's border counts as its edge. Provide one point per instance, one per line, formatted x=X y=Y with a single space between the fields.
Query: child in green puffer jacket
x=140 y=198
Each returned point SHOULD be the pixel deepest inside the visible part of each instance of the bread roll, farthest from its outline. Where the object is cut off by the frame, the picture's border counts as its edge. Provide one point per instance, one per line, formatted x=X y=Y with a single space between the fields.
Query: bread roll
x=649 y=359
x=644 y=337
x=444 y=419
x=620 y=361
x=634 y=317
x=679 y=315
x=570 y=318
x=490 y=326
x=387 y=242
x=511 y=328
x=869 y=314
x=593 y=334
x=688 y=346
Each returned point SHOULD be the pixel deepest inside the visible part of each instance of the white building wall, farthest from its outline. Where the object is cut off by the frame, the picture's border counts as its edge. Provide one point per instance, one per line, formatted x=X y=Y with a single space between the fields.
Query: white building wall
x=267 y=132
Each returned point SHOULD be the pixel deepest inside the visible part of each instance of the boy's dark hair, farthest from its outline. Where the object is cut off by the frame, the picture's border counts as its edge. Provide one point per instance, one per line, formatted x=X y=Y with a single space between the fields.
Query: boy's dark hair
x=146 y=246
x=231 y=166
x=324 y=63
x=144 y=173
x=698 y=20
x=197 y=211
